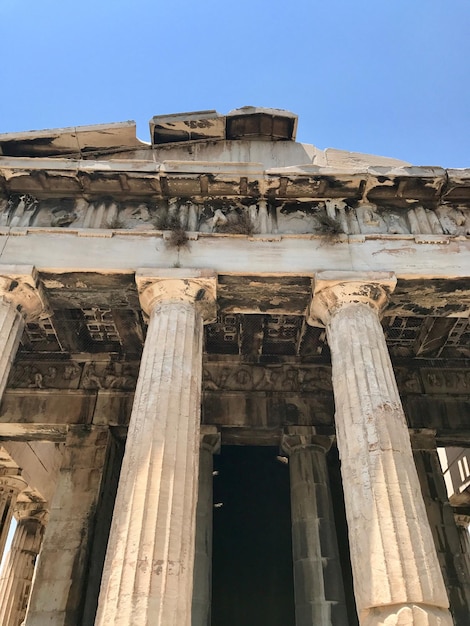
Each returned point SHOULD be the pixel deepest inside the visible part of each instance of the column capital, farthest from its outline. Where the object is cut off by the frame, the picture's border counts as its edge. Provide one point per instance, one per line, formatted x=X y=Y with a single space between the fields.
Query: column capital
x=210 y=438
x=13 y=482
x=25 y=508
x=20 y=286
x=178 y=285
x=462 y=520
x=296 y=437
x=334 y=290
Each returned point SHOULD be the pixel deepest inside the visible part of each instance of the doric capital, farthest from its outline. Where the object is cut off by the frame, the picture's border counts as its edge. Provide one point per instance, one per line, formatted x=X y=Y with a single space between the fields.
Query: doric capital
x=297 y=437
x=27 y=509
x=19 y=285
x=334 y=290
x=210 y=439
x=462 y=520
x=178 y=285
x=12 y=482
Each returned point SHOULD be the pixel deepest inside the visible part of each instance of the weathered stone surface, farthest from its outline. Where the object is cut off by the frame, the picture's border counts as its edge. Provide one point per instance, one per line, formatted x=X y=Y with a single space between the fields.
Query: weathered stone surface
x=202 y=585
x=17 y=572
x=444 y=529
x=57 y=594
x=148 y=574
x=393 y=560
x=11 y=484
x=318 y=585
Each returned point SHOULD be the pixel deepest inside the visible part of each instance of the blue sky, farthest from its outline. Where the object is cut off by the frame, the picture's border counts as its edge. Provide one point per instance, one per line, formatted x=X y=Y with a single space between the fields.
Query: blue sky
x=390 y=78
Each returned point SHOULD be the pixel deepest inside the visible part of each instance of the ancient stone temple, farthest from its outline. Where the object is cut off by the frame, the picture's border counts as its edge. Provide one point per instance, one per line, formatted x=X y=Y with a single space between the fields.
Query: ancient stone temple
x=227 y=361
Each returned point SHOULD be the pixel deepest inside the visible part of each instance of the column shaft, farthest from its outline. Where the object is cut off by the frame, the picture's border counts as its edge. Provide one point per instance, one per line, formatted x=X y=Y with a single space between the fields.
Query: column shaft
x=202 y=587
x=148 y=574
x=318 y=585
x=10 y=487
x=397 y=578
x=463 y=527
x=11 y=328
x=17 y=573
x=445 y=532
x=57 y=595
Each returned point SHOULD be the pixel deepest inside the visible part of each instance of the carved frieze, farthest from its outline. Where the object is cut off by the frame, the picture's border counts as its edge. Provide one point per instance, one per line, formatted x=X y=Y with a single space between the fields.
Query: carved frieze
x=235 y=216
x=285 y=377
x=443 y=381
x=73 y=375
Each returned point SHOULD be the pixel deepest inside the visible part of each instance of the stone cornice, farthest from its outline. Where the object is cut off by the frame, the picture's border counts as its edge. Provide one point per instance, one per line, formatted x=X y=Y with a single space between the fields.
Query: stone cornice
x=57 y=177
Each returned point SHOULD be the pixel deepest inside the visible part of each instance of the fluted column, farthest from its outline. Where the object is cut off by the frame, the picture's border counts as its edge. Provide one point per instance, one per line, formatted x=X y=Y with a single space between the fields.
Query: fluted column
x=318 y=584
x=21 y=299
x=11 y=484
x=57 y=594
x=442 y=523
x=202 y=587
x=17 y=573
x=148 y=573
x=397 y=578
x=463 y=526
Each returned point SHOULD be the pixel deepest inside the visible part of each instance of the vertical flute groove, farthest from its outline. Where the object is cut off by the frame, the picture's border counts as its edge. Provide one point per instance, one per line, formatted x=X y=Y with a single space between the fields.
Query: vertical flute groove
x=148 y=571
x=396 y=572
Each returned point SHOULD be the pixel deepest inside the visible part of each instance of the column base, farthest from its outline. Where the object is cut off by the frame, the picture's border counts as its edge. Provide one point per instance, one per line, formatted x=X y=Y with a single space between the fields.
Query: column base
x=406 y=615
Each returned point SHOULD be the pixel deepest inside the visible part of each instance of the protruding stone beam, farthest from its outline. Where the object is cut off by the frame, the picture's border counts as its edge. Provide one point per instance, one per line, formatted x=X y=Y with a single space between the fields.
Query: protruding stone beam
x=21 y=299
x=318 y=584
x=148 y=573
x=17 y=572
x=202 y=592
x=11 y=485
x=397 y=577
x=443 y=527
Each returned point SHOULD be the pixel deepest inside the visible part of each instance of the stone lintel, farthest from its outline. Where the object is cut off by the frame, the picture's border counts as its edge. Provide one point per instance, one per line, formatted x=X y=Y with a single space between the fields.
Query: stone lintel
x=334 y=289
x=210 y=438
x=197 y=286
x=19 y=285
x=296 y=437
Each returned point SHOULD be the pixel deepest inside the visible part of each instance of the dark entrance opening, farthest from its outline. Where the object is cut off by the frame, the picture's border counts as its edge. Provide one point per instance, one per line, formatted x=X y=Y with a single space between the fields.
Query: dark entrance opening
x=252 y=580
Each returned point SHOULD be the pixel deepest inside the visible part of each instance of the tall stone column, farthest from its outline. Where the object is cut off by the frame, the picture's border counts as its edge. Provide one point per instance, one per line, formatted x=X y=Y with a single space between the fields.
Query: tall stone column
x=463 y=527
x=57 y=594
x=202 y=587
x=17 y=573
x=318 y=584
x=443 y=527
x=397 y=577
x=148 y=573
x=11 y=484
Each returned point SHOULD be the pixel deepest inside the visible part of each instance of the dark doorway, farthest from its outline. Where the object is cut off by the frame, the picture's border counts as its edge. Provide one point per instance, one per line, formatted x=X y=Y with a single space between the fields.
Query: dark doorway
x=252 y=552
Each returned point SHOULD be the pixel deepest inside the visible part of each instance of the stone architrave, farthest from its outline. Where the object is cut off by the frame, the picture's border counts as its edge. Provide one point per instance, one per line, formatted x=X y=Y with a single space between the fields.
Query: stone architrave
x=202 y=592
x=21 y=299
x=148 y=573
x=397 y=577
x=17 y=573
x=11 y=484
x=318 y=583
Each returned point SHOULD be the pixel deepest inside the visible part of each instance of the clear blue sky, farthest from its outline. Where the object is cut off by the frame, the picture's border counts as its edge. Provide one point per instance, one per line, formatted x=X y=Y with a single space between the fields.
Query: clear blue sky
x=385 y=77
